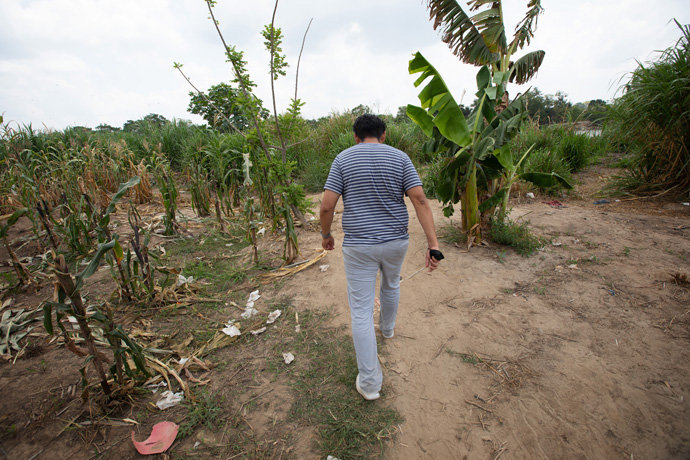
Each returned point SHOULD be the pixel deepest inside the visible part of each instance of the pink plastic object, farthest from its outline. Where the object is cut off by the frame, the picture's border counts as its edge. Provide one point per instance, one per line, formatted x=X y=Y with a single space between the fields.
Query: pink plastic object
x=162 y=437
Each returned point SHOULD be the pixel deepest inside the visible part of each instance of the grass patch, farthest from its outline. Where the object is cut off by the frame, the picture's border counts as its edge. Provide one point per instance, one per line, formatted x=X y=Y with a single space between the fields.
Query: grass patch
x=206 y=411
x=323 y=381
x=452 y=234
x=516 y=235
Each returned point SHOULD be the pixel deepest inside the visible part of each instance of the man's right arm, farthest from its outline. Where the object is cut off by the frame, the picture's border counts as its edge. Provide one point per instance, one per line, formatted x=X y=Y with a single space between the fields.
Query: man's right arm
x=426 y=219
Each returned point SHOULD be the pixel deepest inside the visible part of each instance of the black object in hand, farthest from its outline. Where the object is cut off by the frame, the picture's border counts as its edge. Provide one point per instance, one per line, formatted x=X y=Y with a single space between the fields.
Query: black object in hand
x=436 y=254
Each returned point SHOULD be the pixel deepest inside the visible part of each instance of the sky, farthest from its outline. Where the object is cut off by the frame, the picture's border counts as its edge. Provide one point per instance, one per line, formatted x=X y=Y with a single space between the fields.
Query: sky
x=87 y=62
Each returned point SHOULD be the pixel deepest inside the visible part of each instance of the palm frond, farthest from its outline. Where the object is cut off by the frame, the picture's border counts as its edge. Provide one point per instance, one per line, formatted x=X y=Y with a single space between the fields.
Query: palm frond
x=526 y=67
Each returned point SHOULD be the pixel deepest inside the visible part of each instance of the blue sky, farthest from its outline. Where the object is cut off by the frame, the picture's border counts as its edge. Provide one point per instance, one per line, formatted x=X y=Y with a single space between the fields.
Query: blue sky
x=85 y=62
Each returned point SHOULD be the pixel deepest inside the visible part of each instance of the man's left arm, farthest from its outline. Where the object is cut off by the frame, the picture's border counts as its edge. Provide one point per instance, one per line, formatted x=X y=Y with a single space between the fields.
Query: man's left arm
x=328 y=202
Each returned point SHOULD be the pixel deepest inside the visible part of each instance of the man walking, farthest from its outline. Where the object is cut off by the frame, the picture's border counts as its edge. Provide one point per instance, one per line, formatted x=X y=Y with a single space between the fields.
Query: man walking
x=373 y=179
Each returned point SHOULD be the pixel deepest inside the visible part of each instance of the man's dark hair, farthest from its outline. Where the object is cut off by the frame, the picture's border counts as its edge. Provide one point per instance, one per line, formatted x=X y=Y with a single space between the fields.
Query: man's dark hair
x=369 y=125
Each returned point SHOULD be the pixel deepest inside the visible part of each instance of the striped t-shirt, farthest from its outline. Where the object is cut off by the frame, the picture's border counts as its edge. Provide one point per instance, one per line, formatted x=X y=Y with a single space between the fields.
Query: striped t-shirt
x=372 y=179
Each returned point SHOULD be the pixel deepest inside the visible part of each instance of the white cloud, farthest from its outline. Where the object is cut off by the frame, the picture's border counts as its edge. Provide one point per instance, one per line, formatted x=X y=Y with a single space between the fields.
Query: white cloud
x=86 y=62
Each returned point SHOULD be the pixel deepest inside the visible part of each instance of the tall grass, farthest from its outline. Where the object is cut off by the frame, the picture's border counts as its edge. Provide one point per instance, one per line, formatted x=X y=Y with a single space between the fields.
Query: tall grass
x=652 y=119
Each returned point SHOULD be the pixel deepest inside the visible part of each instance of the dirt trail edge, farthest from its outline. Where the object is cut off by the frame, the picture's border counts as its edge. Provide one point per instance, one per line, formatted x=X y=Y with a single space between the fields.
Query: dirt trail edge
x=577 y=352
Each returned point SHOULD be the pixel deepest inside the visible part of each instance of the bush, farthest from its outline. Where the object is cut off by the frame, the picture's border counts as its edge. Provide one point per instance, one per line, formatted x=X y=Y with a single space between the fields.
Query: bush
x=652 y=119
x=516 y=235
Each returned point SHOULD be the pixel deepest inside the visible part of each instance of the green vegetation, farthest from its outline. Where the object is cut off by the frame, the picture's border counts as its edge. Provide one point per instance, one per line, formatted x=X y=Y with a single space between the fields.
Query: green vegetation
x=650 y=121
x=516 y=235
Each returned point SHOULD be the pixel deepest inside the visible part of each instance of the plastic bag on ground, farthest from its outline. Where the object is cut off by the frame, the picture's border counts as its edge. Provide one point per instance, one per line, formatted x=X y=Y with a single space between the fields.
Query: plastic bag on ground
x=162 y=437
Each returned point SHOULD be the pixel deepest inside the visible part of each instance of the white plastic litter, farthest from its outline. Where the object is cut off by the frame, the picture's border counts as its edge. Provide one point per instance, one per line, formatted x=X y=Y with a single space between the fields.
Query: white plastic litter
x=261 y=231
x=573 y=266
x=273 y=316
x=258 y=331
x=288 y=357
x=330 y=457
x=529 y=195
x=556 y=244
x=169 y=399
x=183 y=361
x=249 y=312
x=685 y=204
x=323 y=268
x=249 y=309
x=254 y=296
x=182 y=280
x=231 y=330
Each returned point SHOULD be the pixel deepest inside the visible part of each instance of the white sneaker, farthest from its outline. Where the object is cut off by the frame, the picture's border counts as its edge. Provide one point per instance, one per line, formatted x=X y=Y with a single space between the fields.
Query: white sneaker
x=389 y=335
x=365 y=395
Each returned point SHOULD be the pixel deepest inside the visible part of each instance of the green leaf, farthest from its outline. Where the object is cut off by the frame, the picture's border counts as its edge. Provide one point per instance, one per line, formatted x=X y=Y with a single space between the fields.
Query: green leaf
x=545 y=180
x=93 y=265
x=437 y=99
x=119 y=253
x=48 y=318
x=120 y=193
x=492 y=201
x=421 y=119
x=505 y=157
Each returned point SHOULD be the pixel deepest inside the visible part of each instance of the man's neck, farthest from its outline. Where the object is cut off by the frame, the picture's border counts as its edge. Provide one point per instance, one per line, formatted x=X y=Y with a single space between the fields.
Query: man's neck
x=371 y=140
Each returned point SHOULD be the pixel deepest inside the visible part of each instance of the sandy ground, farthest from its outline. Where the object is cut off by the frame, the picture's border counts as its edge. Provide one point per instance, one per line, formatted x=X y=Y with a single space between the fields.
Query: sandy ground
x=578 y=352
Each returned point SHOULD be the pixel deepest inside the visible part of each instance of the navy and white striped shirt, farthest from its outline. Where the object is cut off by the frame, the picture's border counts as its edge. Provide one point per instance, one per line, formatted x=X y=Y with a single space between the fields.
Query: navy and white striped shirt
x=372 y=179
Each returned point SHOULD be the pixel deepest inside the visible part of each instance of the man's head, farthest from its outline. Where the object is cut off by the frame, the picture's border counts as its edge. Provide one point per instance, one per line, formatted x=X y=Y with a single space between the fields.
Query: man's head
x=367 y=126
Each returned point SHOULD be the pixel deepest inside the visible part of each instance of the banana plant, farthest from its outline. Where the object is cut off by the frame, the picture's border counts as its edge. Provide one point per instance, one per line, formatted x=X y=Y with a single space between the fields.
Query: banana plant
x=471 y=145
x=476 y=149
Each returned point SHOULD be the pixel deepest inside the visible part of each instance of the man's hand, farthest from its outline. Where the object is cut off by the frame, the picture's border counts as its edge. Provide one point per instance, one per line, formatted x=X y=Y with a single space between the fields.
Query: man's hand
x=431 y=263
x=328 y=243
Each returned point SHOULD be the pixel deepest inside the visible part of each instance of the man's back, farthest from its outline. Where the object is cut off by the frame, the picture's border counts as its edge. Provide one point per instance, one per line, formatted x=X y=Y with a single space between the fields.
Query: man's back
x=372 y=179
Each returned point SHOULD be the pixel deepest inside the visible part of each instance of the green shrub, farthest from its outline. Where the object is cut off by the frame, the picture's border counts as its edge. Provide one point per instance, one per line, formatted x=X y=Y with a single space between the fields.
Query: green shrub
x=516 y=235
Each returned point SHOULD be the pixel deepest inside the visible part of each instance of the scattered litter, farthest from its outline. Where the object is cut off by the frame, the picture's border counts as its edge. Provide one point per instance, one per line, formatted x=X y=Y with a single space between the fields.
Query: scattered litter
x=182 y=280
x=555 y=204
x=297 y=327
x=196 y=444
x=602 y=202
x=330 y=457
x=612 y=292
x=573 y=266
x=529 y=195
x=249 y=310
x=258 y=331
x=323 y=268
x=183 y=361
x=288 y=357
x=162 y=437
x=231 y=330
x=556 y=244
x=228 y=245
x=169 y=399
x=617 y=201
x=685 y=204
x=253 y=297
x=261 y=231
x=273 y=316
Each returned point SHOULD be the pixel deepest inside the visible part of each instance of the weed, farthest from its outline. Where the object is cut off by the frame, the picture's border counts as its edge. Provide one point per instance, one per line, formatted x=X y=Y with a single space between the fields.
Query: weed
x=205 y=411
x=501 y=256
x=540 y=290
x=626 y=251
x=452 y=234
x=516 y=235
x=466 y=358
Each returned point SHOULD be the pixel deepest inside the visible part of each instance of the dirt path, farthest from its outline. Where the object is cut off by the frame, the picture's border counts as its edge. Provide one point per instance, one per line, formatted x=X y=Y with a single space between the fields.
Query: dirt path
x=579 y=351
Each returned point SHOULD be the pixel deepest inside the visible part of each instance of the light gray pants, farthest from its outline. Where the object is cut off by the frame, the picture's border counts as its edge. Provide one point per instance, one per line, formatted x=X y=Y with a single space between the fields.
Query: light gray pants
x=362 y=264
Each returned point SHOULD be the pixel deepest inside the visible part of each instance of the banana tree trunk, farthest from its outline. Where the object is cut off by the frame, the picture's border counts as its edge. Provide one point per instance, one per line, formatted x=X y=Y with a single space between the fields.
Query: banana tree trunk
x=470 y=205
